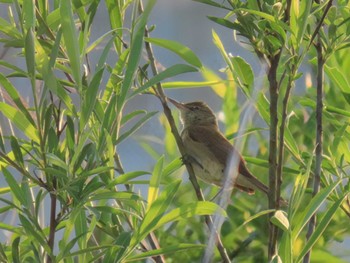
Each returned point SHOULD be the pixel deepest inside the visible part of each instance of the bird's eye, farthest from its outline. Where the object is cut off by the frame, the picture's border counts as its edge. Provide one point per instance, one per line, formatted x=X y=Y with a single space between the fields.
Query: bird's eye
x=195 y=108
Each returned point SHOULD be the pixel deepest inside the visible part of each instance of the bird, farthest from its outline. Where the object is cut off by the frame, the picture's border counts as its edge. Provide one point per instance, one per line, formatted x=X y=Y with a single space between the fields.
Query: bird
x=209 y=151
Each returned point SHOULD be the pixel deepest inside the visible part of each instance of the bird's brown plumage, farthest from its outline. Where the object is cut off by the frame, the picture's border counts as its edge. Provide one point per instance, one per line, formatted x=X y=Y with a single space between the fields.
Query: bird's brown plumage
x=210 y=149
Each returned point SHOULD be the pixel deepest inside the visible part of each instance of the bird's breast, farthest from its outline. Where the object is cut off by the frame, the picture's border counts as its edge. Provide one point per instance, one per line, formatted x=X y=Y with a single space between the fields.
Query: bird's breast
x=206 y=166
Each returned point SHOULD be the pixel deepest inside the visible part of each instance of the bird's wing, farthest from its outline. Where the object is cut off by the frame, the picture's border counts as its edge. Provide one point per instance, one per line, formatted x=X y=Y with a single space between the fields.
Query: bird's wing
x=214 y=140
x=222 y=150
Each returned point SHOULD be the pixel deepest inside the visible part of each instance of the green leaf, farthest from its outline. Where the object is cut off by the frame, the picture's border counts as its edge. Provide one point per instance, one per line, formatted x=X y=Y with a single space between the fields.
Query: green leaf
x=172 y=167
x=15 y=250
x=135 y=52
x=244 y=72
x=29 y=14
x=302 y=219
x=336 y=110
x=90 y=98
x=16 y=151
x=131 y=115
x=137 y=126
x=168 y=73
x=20 y=120
x=190 y=210
x=111 y=195
x=30 y=53
x=34 y=234
x=340 y=80
x=9 y=29
x=181 y=50
x=153 y=188
x=13 y=184
x=125 y=178
x=154 y=214
x=257 y=215
x=321 y=227
x=163 y=251
x=115 y=11
x=280 y=219
x=224 y=22
x=212 y=3
x=104 y=55
x=71 y=40
x=193 y=84
x=298 y=20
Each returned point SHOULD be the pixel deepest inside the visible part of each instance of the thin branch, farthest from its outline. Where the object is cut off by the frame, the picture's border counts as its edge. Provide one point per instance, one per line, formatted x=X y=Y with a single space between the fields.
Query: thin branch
x=281 y=135
x=274 y=89
x=162 y=97
x=320 y=22
x=319 y=137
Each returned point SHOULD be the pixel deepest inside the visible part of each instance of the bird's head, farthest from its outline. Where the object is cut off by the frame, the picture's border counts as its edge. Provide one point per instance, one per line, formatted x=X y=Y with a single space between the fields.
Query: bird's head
x=195 y=113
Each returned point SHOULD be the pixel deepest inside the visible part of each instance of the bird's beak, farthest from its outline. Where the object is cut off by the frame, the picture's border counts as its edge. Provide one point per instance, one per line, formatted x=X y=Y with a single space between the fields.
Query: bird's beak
x=177 y=104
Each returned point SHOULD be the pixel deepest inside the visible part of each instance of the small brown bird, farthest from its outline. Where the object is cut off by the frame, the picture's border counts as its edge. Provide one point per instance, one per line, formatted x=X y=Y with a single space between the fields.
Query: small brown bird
x=208 y=149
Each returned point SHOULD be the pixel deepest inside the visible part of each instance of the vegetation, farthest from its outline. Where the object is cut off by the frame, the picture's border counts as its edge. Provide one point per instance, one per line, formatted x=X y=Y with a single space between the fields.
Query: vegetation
x=64 y=181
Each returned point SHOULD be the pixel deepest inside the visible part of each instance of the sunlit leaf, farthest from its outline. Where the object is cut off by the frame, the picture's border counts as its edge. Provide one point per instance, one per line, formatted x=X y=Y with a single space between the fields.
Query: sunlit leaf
x=20 y=120
x=71 y=40
x=181 y=50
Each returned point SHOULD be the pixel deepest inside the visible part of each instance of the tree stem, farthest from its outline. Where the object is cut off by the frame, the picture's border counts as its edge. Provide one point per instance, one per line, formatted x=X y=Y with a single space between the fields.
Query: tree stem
x=274 y=89
x=319 y=137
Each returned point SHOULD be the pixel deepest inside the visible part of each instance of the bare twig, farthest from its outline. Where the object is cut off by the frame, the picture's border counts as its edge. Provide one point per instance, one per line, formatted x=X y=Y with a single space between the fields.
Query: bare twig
x=319 y=136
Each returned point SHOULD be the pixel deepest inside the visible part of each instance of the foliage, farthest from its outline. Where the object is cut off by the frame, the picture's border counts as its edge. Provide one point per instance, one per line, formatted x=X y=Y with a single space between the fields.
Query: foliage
x=64 y=180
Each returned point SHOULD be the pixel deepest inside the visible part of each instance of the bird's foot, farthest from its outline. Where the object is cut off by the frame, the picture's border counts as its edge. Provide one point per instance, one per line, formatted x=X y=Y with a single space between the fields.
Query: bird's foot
x=189 y=159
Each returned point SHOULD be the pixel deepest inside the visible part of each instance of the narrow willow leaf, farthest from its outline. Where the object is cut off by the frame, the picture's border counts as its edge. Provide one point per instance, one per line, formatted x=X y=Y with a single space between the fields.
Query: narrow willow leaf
x=34 y=234
x=257 y=215
x=16 y=151
x=302 y=219
x=135 y=52
x=15 y=250
x=71 y=40
x=131 y=115
x=265 y=163
x=189 y=210
x=172 y=167
x=219 y=86
x=244 y=72
x=29 y=14
x=168 y=73
x=181 y=50
x=105 y=52
x=224 y=22
x=163 y=251
x=280 y=219
x=137 y=126
x=153 y=215
x=90 y=98
x=153 y=188
x=80 y=228
x=111 y=195
x=15 y=96
x=115 y=11
x=9 y=30
x=125 y=178
x=212 y=3
x=20 y=120
x=321 y=227
x=13 y=184
x=266 y=16
x=194 y=84
x=30 y=53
